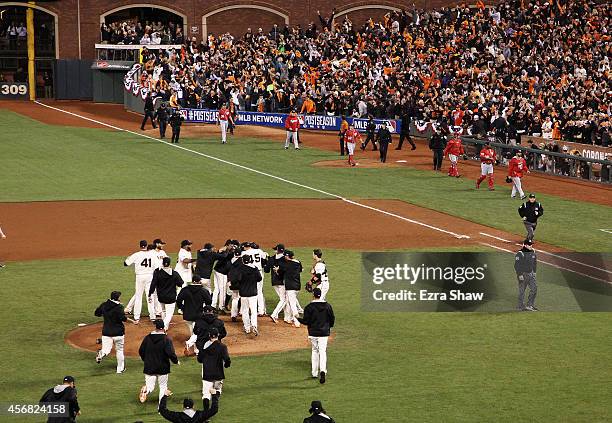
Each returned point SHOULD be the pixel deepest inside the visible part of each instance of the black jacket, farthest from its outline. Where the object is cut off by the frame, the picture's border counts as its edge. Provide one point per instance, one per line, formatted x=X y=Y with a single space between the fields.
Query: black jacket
x=525 y=261
x=191 y=299
x=165 y=284
x=63 y=393
x=291 y=269
x=157 y=351
x=371 y=128
x=161 y=114
x=315 y=418
x=181 y=417
x=114 y=317
x=249 y=276
x=176 y=120
x=203 y=326
x=532 y=211
x=204 y=262
x=223 y=264
x=235 y=274
x=319 y=317
x=214 y=359
x=384 y=136
x=437 y=142
x=148 y=106
x=268 y=267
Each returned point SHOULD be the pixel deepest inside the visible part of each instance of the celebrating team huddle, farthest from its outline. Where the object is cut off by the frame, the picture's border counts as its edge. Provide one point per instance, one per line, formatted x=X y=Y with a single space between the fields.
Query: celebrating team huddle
x=224 y=281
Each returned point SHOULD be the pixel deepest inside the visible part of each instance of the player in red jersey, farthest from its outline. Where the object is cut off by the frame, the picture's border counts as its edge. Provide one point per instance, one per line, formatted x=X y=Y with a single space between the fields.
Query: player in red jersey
x=223 y=119
x=351 y=137
x=516 y=170
x=454 y=149
x=292 y=125
x=487 y=158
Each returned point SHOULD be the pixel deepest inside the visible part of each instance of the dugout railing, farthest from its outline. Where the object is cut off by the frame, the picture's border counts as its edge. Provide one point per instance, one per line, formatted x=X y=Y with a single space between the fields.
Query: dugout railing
x=544 y=161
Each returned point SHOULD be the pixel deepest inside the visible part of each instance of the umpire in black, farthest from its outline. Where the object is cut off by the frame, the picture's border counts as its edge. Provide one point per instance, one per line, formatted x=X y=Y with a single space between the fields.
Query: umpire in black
x=176 y=120
x=530 y=211
x=370 y=134
x=162 y=119
x=437 y=143
x=384 y=138
x=525 y=263
x=149 y=110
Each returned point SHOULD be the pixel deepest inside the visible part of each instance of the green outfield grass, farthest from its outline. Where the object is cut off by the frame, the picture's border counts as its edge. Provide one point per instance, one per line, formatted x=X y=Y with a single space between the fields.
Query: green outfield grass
x=65 y=163
x=383 y=367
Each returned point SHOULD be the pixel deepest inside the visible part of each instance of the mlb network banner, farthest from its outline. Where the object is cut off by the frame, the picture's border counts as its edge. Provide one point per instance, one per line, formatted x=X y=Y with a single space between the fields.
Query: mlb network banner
x=317 y=122
x=481 y=282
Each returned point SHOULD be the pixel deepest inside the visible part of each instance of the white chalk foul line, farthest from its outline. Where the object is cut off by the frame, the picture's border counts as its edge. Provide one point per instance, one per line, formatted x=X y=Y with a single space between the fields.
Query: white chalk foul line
x=606 y=230
x=550 y=254
x=259 y=172
x=548 y=263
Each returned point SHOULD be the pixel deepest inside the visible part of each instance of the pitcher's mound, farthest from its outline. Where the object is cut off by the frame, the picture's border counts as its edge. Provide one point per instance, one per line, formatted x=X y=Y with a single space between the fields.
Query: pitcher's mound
x=272 y=337
x=361 y=162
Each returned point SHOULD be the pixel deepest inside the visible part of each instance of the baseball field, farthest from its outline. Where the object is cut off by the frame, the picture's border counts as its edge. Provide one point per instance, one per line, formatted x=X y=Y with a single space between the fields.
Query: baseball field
x=81 y=185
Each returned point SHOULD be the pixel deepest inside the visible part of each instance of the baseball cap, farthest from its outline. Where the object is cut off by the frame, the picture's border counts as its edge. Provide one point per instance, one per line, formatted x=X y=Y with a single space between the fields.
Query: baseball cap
x=187 y=403
x=527 y=242
x=279 y=247
x=288 y=253
x=159 y=324
x=185 y=242
x=115 y=295
x=531 y=195
x=196 y=279
x=158 y=241
x=316 y=292
x=315 y=407
x=213 y=332
x=69 y=379
x=208 y=309
x=143 y=243
x=166 y=261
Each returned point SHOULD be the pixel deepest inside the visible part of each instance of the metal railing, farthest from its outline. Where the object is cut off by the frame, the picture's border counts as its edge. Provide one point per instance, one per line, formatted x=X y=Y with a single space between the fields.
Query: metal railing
x=544 y=161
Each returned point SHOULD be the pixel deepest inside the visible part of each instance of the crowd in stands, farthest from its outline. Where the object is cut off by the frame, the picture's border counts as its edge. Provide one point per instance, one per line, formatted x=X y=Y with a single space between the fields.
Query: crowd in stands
x=134 y=32
x=533 y=67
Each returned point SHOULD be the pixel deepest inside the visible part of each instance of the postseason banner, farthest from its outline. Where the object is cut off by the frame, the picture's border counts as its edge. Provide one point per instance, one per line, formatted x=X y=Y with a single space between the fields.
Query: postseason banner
x=478 y=282
x=277 y=120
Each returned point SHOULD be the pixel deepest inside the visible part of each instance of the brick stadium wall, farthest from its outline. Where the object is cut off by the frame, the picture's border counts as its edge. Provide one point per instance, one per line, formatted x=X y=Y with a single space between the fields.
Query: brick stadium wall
x=235 y=21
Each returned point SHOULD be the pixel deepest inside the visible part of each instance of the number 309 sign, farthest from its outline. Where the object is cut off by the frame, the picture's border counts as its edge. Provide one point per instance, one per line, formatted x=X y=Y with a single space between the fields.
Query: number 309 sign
x=13 y=90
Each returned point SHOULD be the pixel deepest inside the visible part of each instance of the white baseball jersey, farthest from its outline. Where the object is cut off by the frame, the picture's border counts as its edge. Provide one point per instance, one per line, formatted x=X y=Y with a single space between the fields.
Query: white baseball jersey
x=158 y=256
x=143 y=262
x=321 y=269
x=184 y=269
x=258 y=255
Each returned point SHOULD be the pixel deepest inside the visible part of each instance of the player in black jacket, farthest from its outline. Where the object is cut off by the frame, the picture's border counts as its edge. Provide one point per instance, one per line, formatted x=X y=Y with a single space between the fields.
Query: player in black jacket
x=65 y=393
x=157 y=351
x=201 y=331
x=319 y=317
x=149 y=110
x=272 y=262
x=191 y=300
x=221 y=269
x=206 y=258
x=290 y=270
x=165 y=281
x=214 y=358
x=188 y=415
x=113 y=329
x=317 y=414
x=530 y=211
x=437 y=143
x=249 y=276
x=370 y=134
x=233 y=279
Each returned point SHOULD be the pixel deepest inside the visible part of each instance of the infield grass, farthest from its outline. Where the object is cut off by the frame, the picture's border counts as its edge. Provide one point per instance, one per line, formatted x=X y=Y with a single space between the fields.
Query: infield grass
x=383 y=367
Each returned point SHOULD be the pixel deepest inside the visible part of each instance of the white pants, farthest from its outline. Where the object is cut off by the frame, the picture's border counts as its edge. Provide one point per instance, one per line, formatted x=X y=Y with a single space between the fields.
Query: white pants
x=486 y=168
x=143 y=283
x=206 y=284
x=350 y=147
x=167 y=313
x=282 y=303
x=192 y=341
x=248 y=309
x=261 y=300
x=162 y=381
x=324 y=287
x=292 y=136
x=453 y=158
x=235 y=301
x=319 y=354
x=107 y=346
x=186 y=276
x=224 y=124
x=191 y=326
x=292 y=301
x=208 y=385
x=517 y=186
x=218 y=296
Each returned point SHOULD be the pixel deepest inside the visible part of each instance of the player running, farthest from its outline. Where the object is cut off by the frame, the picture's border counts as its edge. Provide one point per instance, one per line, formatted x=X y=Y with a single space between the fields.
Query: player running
x=454 y=149
x=516 y=169
x=292 y=125
x=351 y=137
x=223 y=119
x=487 y=158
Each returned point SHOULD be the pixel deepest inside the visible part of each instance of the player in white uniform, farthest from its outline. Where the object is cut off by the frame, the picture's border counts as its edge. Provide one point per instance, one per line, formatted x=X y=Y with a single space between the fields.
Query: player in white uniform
x=258 y=256
x=184 y=262
x=319 y=273
x=143 y=268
